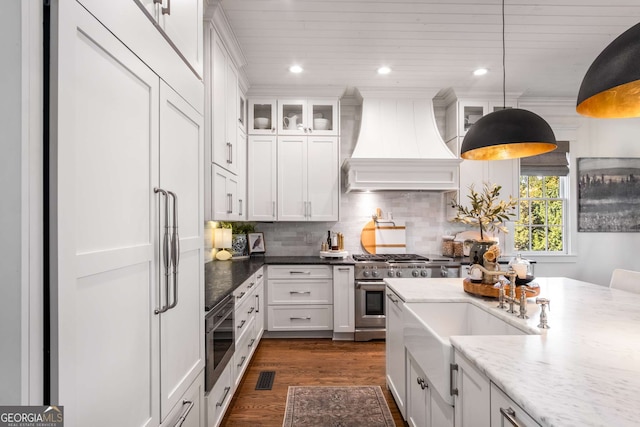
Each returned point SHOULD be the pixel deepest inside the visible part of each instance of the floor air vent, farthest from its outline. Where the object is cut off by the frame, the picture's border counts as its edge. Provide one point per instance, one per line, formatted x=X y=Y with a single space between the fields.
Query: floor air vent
x=265 y=380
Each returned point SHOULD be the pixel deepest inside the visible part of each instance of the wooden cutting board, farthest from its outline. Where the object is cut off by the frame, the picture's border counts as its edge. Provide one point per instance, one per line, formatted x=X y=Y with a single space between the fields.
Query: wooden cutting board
x=383 y=237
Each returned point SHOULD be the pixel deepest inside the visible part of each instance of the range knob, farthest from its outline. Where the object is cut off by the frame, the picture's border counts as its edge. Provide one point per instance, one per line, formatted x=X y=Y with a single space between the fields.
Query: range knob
x=415 y=273
x=390 y=273
x=424 y=273
x=375 y=273
x=399 y=274
x=366 y=273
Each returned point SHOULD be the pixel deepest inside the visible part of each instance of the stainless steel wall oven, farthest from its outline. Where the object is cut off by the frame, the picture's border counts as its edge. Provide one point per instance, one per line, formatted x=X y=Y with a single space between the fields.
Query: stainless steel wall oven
x=219 y=339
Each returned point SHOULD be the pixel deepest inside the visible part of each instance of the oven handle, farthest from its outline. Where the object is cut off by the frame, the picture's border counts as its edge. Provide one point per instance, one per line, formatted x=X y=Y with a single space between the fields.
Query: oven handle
x=371 y=286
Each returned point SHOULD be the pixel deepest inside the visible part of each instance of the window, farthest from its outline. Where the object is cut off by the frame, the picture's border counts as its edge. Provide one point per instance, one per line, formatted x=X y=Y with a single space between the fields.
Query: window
x=543 y=192
x=541 y=227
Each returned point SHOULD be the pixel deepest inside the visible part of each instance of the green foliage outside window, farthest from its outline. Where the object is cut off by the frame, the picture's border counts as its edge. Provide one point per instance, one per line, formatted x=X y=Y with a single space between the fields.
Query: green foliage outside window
x=541 y=224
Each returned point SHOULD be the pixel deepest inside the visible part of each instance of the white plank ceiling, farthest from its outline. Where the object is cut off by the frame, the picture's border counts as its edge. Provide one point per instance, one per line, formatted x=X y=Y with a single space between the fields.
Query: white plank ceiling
x=434 y=44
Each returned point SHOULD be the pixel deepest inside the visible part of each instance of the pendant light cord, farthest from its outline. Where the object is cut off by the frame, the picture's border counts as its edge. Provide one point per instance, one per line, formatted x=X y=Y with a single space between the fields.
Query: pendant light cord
x=504 y=72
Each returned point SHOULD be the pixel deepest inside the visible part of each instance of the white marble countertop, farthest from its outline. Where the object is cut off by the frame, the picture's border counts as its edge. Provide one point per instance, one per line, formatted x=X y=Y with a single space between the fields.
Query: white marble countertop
x=583 y=371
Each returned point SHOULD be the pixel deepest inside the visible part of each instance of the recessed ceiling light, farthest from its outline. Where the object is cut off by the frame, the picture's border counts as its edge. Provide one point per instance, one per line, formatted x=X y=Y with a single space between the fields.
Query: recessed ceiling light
x=480 y=72
x=384 y=70
x=295 y=69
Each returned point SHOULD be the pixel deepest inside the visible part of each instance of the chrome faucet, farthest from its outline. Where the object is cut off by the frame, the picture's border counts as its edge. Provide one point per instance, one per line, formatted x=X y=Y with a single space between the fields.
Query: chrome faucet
x=511 y=299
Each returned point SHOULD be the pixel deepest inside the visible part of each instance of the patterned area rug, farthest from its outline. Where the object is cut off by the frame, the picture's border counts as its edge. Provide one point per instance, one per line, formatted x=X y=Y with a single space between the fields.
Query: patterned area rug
x=355 y=406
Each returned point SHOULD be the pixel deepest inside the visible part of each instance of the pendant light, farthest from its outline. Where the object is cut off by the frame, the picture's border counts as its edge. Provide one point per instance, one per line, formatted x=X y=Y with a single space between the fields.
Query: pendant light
x=509 y=133
x=611 y=87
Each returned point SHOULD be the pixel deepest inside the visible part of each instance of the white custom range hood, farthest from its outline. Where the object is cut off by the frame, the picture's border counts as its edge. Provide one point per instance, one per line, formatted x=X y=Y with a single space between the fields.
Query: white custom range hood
x=399 y=146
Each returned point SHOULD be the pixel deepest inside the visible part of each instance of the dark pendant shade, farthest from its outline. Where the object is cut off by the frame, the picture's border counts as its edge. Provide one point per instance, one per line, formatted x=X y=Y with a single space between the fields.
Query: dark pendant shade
x=611 y=87
x=508 y=134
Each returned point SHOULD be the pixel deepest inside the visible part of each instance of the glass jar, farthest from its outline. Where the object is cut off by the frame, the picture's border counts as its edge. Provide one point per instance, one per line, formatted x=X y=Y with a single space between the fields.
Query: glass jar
x=447 y=246
x=521 y=266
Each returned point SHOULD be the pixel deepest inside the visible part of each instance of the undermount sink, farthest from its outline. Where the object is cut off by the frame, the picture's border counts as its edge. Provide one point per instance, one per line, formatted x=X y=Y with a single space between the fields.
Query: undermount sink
x=429 y=325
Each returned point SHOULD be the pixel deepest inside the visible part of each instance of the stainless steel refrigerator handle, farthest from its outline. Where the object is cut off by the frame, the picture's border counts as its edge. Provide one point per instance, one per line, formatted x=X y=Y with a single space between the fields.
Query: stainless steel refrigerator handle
x=175 y=248
x=165 y=253
x=185 y=413
x=165 y=10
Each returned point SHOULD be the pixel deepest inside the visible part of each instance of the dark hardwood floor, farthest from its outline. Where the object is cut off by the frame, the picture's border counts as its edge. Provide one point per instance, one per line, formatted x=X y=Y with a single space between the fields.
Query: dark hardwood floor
x=302 y=362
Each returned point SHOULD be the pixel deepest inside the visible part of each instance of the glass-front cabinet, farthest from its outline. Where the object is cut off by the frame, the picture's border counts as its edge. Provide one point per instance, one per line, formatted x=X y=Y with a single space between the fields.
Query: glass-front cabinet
x=470 y=111
x=308 y=116
x=262 y=116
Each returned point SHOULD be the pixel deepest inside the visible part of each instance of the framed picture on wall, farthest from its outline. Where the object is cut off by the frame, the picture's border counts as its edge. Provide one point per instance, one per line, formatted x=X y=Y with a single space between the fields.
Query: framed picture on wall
x=608 y=194
x=256 y=243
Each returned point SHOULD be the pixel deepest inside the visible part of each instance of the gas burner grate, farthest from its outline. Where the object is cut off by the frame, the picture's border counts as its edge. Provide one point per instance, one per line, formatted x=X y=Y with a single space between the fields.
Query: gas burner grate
x=389 y=257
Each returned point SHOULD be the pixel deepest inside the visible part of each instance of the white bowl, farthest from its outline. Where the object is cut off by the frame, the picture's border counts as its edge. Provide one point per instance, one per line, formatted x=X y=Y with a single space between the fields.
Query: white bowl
x=261 y=123
x=321 y=124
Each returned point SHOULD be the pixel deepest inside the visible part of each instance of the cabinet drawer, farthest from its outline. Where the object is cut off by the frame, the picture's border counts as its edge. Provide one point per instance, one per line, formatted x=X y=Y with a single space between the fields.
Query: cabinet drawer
x=299 y=272
x=243 y=351
x=219 y=397
x=300 y=291
x=243 y=316
x=503 y=407
x=190 y=408
x=300 y=318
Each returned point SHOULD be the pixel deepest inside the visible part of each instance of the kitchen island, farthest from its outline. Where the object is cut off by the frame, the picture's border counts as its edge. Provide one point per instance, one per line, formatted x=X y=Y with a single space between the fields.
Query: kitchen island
x=583 y=371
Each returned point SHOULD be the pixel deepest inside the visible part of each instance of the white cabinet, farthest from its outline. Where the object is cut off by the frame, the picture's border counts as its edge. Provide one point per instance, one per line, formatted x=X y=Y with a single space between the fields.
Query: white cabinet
x=259 y=303
x=224 y=203
x=261 y=178
x=344 y=299
x=425 y=407
x=262 y=116
x=219 y=397
x=191 y=410
x=300 y=298
x=395 y=350
x=308 y=178
x=472 y=402
x=308 y=117
x=181 y=23
x=505 y=412
x=120 y=133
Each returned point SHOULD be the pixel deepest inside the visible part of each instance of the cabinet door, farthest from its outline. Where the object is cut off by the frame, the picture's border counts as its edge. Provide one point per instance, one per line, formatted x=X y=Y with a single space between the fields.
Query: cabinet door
x=182 y=23
x=261 y=186
x=472 y=403
x=292 y=178
x=106 y=103
x=323 y=179
x=323 y=117
x=225 y=192
x=292 y=117
x=395 y=350
x=469 y=112
x=259 y=303
x=231 y=131
x=220 y=149
x=182 y=327
x=417 y=402
x=190 y=411
x=241 y=161
x=343 y=299
x=262 y=116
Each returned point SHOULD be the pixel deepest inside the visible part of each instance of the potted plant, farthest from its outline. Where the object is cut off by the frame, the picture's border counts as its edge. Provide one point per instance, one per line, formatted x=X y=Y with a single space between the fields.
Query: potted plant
x=487 y=212
x=239 y=243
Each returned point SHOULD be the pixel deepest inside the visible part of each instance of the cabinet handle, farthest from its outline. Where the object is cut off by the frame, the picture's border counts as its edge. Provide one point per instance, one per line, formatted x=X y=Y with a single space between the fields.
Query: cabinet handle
x=175 y=249
x=452 y=390
x=166 y=243
x=242 y=359
x=343 y=268
x=224 y=397
x=165 y=10
x=300 y=292
x=241 y=295
x=240 y=207
x=230 y=153
x=229 y=159
x=273 y=209
x=510 y=415
x=258 y=304
x=185 y=413
x=259 y=277
x=390 y=296
x=229 y=203
x=299 y=318
x=299 y=272
x=242 y=324
x=251 y=285
x=251 y=311
x=253 y=340
x=423 y=385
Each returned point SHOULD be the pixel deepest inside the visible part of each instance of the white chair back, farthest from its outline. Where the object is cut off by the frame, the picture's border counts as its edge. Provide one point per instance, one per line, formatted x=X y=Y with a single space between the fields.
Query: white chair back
x=625 y=280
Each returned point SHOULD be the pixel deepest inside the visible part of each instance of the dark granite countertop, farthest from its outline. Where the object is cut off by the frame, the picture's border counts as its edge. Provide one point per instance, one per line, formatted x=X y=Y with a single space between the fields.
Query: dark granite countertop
x=222 y=277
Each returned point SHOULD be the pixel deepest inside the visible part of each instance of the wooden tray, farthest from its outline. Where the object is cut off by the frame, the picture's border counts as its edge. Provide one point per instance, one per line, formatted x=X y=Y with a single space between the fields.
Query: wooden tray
x=487 y=289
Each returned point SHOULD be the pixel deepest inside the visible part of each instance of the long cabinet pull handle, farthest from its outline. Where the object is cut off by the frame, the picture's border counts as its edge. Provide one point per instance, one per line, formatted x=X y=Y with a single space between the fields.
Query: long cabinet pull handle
x=343 y=269
x=240 y=207
x=299 y=318
x=452 y=390
x=300 y=292
x=510 y=415
x=228 y=153
x=185 y=413
x=299 y=272
x=395 y=301
x=242 y=359
x=167 y=10
x=258 y=304
x=175 y=248
x=166 y=260
x=231 y=153
x=224 y=397
x=229 y=203
x=273 y=209
x=242 y=324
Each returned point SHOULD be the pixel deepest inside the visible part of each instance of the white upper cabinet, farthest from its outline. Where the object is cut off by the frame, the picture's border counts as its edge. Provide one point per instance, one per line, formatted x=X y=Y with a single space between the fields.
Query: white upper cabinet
x=262 y=116
x=308 y=116
x=262 y=178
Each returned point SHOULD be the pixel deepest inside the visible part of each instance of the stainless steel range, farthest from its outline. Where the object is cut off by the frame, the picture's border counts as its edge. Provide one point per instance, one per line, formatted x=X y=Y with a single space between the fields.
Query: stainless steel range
x=371 y=269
